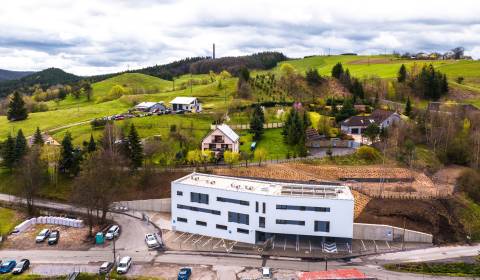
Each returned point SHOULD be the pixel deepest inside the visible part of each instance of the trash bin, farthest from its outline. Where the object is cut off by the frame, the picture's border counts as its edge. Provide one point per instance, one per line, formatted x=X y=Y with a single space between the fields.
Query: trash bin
x=99 y=238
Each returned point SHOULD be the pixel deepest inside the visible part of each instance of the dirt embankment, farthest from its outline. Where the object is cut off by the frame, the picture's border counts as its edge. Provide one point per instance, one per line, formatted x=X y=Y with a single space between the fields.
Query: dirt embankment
x=437 y=217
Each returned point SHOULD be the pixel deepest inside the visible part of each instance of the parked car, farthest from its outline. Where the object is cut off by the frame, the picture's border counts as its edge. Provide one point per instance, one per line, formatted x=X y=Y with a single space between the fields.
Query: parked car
x=113 y=232
x=266 y=272
x=184 y=273
x=42 y=236
x=151 y=240
x=21 y=266
x=53 y=238
x=105 y=267
x=7 y=266
x=124 y=265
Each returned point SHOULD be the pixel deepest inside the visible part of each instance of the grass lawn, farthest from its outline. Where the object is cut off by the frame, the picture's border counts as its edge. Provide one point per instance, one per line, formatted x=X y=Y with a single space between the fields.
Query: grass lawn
x=8 y=220
x=447 y=269
x=272 y=142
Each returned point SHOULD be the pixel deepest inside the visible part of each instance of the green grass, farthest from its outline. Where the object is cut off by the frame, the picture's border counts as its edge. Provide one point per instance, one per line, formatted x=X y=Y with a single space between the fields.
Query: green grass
x=25 y=276
x=8 y=220
x=132 y=81
x=271 y=141
x=446 y=269
x=470 y=216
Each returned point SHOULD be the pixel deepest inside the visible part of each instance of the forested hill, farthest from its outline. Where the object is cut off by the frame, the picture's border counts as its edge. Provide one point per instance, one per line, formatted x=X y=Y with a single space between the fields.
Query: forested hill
x=13 y=75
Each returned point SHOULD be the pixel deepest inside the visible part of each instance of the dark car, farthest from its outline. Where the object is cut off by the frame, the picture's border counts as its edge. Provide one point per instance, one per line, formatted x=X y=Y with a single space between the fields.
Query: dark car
x=7 y=266
x=53 y=238
x=105 y=267
x=184 y=273
x=21 y=266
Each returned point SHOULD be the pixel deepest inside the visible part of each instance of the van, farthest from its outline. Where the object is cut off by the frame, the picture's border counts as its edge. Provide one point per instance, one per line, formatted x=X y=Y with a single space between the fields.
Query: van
x=124 y=265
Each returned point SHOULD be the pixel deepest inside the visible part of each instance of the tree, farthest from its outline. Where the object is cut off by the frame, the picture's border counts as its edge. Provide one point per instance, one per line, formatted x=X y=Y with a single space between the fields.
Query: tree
x=87 y=89
x=347 y=111
x=31 y=175
x=287 y=69
x=313 y=78
x=20 y=146
x=402 y=74
x=372 y=131
x=469 y=182
x=51 y=155
x=8 y=152
x=337 y=70
x=260 y=155
x=134 y=149
x=92 y=146
x=38 y=138
x=458 y=52
x=357 y=88
x=408 y=107
x=70 y=157
x=231 y=158
x=16 y=108
x=256 y=122
x=194 y=157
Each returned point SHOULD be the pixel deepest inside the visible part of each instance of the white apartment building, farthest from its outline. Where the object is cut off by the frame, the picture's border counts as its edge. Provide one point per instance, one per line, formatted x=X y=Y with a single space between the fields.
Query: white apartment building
x=251 y=211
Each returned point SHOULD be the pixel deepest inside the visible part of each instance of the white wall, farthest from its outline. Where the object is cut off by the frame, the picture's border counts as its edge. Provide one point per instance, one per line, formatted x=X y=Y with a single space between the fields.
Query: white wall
x=210 y=140
x=340 y=215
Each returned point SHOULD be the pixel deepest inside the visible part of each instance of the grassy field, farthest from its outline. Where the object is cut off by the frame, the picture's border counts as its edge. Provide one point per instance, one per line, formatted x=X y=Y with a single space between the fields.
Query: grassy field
x=8 y=220
x=272 y=142
x=460 y=269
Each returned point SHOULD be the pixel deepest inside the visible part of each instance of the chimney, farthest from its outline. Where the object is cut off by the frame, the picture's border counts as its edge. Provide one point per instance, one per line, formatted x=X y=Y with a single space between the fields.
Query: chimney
x=213 y=56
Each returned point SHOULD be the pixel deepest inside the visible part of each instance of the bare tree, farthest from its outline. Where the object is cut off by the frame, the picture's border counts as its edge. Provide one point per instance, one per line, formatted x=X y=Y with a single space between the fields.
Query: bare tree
x=31 y=174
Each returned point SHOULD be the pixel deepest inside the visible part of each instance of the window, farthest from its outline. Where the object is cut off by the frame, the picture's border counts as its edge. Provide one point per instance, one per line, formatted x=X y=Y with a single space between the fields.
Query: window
x=261 y=222
x=182 y=220
x=230 y=200
x=199 y=197
x=179 y=193
x=221 y=227
x=201 y=223
x=256 y=206
x=218 y=139
x=302 y=208
x=198 y=209
x=322 y=226
x=212 y=146
x=290 y=222
x=264 y=208
x=241 y=230
x=238 y=218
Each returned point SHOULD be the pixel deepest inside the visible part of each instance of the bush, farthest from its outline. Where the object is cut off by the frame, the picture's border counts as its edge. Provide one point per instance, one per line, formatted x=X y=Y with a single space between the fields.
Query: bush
x=368 y=153
x=96 y=123
x=469 y=182
x=130 y=100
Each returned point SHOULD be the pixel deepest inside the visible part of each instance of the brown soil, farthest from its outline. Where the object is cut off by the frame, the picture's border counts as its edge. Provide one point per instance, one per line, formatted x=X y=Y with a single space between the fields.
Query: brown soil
x=333 y=88
x=435 y=216
x=70 y=239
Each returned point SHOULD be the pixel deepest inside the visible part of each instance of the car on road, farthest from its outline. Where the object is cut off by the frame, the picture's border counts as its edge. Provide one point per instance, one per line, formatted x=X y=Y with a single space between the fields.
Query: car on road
x=21 y=266
x=113 y=231
x=151 y=240
x=124 y=265
x=105 y=267
x=184 y=273
x=266 y=272
x=53 y=238
x=42 y=236
x=7 y=266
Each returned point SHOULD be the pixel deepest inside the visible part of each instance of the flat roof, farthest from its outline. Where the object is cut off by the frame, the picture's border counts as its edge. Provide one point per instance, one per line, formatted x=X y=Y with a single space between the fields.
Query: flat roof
x=323 y=190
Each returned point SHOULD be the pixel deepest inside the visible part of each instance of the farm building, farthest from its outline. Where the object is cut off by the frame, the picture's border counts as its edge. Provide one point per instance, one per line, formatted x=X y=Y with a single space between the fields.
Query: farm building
x=253 y=211
x=151 y=107
x=190 y=104
x=357 y=124
x=221 y=139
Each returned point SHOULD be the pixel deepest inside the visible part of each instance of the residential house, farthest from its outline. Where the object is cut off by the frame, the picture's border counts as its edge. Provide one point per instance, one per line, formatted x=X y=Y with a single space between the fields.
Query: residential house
x=357 y=124
x=47 y=140
x=183 y=103
x=153 y=107
x=221 y=139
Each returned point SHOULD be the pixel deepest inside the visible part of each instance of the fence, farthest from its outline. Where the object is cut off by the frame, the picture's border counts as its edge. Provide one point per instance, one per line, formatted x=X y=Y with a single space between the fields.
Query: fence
x=247 y=126
x=389 y=233
x=155 y=205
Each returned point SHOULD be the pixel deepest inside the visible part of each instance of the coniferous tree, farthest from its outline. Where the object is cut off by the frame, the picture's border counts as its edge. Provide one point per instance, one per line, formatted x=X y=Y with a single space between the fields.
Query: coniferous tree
x=256 y=122
x=134 y=149
x=402 y=74
x=16 y=108
x=8 y=152
x=70 y=157
x=357 y=89
x=408 y=107
x=20 y=146
x=337 y=70
x=37 y=137
x=92 y=146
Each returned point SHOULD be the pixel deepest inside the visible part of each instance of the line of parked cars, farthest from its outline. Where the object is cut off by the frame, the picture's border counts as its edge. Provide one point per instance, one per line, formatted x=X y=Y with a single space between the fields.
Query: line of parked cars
x=13 y=267
x=51 y=236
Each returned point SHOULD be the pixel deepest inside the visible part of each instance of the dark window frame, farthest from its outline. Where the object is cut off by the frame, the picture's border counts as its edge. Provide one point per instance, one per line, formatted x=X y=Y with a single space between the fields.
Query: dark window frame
x=302 y=208
x=202 y=198
x=179 y=193
x=182 y=220
x=242 y=230
x=318 y=228
x=234 y=201
x=198 y=209
x=239 y=218
x=222 y=227
x=290 y=222
x=201 y=223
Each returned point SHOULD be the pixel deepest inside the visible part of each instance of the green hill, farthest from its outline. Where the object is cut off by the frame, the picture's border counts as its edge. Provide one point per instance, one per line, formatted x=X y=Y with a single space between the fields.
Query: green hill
x=134 y=81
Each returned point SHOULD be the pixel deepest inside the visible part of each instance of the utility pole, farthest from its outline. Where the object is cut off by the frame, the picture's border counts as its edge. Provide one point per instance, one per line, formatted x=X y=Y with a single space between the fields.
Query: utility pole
x=213 y=54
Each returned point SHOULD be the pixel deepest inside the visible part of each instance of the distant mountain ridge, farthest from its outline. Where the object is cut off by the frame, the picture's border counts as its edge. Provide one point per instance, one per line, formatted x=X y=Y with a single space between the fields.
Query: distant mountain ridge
x=6 y=75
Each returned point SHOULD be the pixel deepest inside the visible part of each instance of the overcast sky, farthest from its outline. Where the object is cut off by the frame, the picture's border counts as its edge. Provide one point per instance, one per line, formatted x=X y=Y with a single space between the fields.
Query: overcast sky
x=89 y=37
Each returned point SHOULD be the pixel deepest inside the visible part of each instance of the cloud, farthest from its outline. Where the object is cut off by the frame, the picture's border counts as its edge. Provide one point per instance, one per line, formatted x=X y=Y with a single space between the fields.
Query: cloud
x=92 y=37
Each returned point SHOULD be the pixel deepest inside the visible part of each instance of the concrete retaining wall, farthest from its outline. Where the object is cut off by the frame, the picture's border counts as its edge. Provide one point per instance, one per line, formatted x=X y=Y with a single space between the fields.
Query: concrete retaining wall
x=389 y=233
x=156 y=205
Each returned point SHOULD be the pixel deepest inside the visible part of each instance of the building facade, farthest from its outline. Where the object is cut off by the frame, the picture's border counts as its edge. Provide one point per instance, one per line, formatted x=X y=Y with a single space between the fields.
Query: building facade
x=252 y=211
x=221 y=139
x=358 y=124
x=189 y=104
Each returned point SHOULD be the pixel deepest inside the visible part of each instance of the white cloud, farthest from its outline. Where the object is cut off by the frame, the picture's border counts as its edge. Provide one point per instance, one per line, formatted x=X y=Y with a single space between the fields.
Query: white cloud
x=90 y=37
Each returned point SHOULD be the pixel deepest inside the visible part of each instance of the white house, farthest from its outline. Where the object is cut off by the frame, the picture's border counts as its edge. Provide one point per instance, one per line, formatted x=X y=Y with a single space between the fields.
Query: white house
x=221 y=139
x=47 y=140
x=151 y=107
x=357 y=124
x=252 y=211
x=182 y=103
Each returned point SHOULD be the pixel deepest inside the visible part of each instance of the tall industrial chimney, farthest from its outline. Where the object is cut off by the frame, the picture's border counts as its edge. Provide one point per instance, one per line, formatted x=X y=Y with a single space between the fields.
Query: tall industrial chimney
x=213 y=56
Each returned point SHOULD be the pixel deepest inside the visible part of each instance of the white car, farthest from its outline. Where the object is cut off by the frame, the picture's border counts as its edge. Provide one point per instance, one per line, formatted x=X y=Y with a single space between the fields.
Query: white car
x=124 y=265
x=113 y=231
x=151 y=240
x=42 y=236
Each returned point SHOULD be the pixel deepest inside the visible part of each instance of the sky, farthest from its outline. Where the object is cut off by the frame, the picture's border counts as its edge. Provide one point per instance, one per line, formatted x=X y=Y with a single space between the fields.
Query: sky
x=91 y=37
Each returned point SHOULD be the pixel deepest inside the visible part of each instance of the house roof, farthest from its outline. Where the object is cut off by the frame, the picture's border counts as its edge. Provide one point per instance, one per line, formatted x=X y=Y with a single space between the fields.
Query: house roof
x=225 y=129
x=147 y=104
x=312 y=134
x=380 y=115
x=183 y=100
x=377 y=116
x=333 y=274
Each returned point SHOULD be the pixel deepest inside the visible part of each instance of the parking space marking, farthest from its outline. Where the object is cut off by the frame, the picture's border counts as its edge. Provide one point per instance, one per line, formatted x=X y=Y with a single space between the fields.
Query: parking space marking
x=285 y=245
x=188 y=238
x=388 y=245
x=198 y=240
x=180 y=236
x=375 y=244
x=169 y=235
x=216 y=245
x=208 y=241
x=363 y=244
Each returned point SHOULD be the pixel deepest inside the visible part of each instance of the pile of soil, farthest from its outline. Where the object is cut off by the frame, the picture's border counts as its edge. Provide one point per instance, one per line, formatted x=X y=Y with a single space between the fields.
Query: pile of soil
x=437 y=217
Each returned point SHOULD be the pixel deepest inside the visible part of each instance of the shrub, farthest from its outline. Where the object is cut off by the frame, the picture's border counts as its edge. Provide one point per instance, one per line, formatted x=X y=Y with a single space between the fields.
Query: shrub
x=368 y=153
x=130 y=100
x=469 y=182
